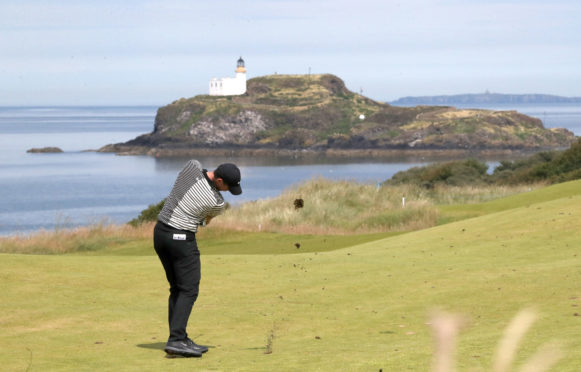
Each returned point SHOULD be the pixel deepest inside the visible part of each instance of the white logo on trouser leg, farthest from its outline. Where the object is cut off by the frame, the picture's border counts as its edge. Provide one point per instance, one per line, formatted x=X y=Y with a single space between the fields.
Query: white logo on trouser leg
x=179 y=236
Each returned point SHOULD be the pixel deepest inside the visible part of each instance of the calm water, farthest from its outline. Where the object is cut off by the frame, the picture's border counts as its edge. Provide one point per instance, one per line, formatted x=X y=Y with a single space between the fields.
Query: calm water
x=48 y=191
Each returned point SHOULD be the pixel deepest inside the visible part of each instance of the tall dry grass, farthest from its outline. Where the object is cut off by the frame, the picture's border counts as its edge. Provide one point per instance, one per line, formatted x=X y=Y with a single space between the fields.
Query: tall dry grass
x=346 y=207
x=328 y=207
x=444 y=194
x=59 y=241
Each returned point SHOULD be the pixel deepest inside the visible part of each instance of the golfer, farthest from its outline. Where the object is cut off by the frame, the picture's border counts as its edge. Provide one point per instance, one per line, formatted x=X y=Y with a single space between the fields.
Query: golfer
x=194 y=200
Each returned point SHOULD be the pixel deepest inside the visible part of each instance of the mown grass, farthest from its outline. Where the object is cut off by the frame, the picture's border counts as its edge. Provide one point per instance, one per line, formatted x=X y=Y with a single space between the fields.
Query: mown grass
x=364 y=307
x=218 y=241
x=215 y=240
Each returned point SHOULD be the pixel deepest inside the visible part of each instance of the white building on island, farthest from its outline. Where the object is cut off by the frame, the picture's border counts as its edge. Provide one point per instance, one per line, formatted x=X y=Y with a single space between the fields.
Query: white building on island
x=230 y=86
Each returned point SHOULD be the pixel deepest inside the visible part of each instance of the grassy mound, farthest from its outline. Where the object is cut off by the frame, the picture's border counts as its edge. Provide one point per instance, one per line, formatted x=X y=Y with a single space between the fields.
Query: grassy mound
x=321 y=206
x=328 y=211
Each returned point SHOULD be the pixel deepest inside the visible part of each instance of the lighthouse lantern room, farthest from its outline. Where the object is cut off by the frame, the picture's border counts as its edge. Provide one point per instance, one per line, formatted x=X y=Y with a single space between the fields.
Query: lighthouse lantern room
x=230 y=86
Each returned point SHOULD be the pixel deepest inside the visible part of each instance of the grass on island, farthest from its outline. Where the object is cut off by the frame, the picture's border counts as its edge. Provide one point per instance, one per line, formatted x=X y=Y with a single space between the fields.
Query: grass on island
x=367 y=306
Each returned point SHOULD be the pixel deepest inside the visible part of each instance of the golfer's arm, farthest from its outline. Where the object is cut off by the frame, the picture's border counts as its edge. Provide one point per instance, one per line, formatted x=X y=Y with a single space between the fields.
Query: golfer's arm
x=211 y=214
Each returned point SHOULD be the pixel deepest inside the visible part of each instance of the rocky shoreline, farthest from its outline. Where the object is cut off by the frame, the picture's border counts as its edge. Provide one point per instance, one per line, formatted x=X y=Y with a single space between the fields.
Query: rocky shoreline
x=412 y=154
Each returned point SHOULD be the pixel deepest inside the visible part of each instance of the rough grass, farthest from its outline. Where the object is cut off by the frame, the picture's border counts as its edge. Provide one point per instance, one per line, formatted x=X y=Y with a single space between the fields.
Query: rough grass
x=82 y=239
x=137 y=241
x=361 y=308
x=456 y=211
x=345 y=207
x=330 y=208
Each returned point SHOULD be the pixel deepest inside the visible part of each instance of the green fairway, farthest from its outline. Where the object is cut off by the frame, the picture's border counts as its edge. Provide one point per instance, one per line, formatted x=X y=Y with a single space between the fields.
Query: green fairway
x=215 y=241
x=363 y=307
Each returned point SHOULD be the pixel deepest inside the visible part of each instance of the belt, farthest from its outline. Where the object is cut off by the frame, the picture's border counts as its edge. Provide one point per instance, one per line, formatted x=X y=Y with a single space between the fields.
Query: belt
x=169 y=227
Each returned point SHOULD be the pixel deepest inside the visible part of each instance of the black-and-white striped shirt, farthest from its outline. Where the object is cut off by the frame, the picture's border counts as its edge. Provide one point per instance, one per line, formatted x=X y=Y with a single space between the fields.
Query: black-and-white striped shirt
x=192 y=198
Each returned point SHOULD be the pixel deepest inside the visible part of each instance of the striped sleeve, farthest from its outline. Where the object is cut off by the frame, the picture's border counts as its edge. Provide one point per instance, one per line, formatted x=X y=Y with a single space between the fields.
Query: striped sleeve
x=191 y=200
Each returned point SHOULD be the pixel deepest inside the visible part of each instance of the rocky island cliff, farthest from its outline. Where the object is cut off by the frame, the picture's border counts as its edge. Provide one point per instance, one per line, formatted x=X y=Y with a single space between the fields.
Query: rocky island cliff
x=317 y=113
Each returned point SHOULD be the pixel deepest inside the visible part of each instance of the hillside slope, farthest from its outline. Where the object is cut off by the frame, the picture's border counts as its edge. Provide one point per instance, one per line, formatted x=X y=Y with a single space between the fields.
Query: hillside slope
x=307 y=311
x=318 y=113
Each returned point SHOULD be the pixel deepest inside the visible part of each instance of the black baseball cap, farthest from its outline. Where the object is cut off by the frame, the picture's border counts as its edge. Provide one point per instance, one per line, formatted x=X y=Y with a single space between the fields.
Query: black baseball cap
x=231 y=176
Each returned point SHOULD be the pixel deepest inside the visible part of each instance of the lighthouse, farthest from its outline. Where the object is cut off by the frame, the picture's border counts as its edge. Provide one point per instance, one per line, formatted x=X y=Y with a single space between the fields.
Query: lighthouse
x=230 y=86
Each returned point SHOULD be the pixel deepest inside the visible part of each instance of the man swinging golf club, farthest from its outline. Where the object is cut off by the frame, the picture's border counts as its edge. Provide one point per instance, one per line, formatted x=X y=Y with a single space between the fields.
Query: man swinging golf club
x=194 y=200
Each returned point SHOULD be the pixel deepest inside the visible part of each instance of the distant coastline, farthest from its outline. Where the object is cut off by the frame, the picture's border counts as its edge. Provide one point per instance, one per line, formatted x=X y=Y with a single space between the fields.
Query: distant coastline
x=485 y=98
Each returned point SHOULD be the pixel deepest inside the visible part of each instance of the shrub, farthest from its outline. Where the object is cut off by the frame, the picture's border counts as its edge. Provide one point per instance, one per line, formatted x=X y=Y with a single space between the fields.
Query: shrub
x=148 y=215
x=551 y=166
x=455 y=173
x=543 y=167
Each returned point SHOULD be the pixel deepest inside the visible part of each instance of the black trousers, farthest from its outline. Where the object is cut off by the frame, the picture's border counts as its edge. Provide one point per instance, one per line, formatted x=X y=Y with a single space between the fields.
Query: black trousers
x=180 y=257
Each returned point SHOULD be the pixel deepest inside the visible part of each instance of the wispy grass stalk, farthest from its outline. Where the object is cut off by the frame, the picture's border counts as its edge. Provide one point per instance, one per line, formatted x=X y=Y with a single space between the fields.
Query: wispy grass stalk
x=446 y=328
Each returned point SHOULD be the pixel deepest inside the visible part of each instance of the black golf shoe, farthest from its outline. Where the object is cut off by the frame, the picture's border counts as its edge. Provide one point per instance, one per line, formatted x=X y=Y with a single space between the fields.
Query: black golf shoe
x=193 y=345
x=182 y=348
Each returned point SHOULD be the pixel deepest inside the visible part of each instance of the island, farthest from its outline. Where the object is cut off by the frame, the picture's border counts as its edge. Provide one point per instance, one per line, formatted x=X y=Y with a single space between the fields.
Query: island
x=317 y=114
x=45 y=150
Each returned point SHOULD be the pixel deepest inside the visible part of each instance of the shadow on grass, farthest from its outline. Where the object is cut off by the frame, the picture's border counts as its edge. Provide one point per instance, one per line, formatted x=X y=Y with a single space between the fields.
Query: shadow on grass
x=161 y=346
x=153 y=346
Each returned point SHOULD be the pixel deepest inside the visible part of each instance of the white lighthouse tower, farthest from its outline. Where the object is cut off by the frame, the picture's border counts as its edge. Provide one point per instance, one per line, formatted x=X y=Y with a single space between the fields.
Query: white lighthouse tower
x=230 y=86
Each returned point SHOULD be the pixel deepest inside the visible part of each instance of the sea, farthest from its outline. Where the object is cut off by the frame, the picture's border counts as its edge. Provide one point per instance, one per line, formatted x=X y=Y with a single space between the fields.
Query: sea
x=79 y=187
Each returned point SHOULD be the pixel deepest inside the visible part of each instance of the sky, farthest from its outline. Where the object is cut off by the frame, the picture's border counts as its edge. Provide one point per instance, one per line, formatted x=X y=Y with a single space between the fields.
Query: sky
x=152 y=52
